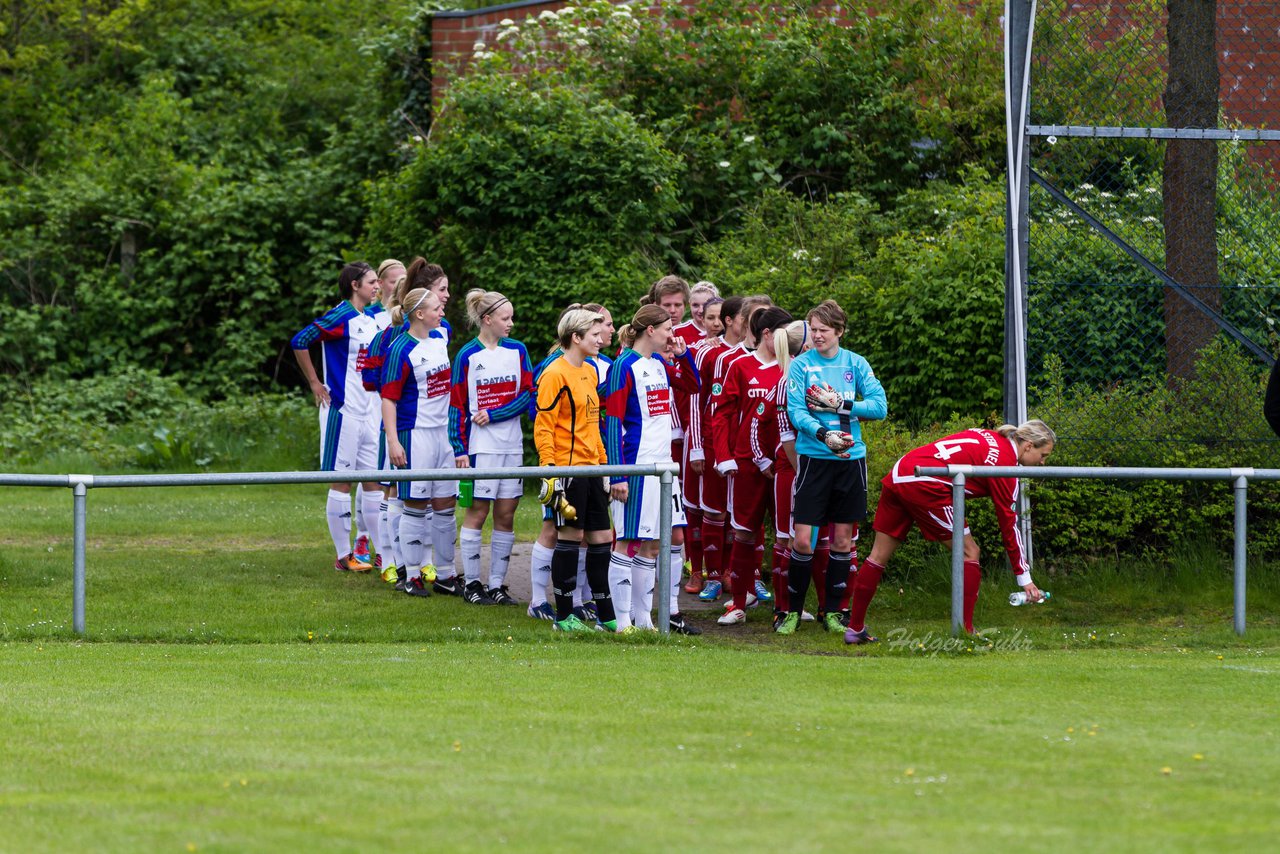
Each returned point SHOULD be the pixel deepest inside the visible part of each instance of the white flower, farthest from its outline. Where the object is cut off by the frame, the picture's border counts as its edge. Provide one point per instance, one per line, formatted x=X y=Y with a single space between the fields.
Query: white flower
x=581 y=42
x=749 y=138
x=725 y=164
x=478 y=47
x=506 y=22
x=545 y=14
x=1149 y=219
x=567 y=10
x=1151 y=191
x=1086 y=186
x=773 y=269
x=799 y=254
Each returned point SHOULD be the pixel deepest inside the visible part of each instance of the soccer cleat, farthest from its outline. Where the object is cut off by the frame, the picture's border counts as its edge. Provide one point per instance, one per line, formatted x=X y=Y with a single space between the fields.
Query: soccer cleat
x=571 y=623
x=429 y=572
x=859 y=636
x=361 y=551
x=680 y=626
x=832 y=623
x=502 y=596
x=390 y=573
x=349 y=564
x=446 y=586
x=694 y=584
x=417 y=587
x=607 y=626
x=806 y=617
x=750 y=603
x=733 y=617
x=787 y=625
x=475 y=594
x=711 y=592
x=763 y=593
x=542 y=611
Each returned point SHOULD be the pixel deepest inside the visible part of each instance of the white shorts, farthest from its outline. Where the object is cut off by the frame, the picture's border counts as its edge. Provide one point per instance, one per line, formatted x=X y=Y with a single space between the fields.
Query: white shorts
x=428 y=448
x=508 y=487
x=637 y=518
x=347 y=444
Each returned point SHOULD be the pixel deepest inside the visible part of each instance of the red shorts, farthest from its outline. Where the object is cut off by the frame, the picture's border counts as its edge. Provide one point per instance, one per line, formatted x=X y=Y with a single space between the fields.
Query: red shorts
x=715 y=490
x=783 y=491
x=901 y=506
x=690 y=480
x=752 y=498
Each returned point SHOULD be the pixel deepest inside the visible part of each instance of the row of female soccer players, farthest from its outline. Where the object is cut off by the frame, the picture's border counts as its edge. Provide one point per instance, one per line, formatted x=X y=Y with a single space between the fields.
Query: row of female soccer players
x=683 y=391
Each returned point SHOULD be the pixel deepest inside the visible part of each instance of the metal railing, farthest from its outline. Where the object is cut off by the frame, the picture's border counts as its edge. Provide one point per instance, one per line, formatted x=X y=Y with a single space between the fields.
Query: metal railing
x=80 y=484
x=1239 y=478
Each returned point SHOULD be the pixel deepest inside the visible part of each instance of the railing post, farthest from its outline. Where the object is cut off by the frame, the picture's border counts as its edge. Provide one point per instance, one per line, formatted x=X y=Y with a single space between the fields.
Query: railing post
x=664 y=552
x=79 y=492
x=1241 y=551
x=957 y=554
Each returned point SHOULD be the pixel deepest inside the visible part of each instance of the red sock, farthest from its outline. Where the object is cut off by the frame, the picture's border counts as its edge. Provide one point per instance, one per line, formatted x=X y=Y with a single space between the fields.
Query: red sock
x=972 y=581
x=693 y=541
x=760 y=557
x=726 y=550
x=821 y=557
x=781 y=556
x=742 y=568
x=868 y=578
x=712 y=549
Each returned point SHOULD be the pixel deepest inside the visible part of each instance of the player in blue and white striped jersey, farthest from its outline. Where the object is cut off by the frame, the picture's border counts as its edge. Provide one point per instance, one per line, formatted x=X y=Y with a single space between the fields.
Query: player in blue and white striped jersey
x=348 y=413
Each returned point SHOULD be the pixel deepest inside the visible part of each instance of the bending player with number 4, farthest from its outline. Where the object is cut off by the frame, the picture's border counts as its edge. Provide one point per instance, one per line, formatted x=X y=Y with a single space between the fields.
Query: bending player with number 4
x=907 y=498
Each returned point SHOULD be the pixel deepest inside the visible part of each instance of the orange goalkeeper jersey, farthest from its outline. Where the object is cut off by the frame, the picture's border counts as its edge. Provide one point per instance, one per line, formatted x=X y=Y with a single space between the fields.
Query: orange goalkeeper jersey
x=566 y=431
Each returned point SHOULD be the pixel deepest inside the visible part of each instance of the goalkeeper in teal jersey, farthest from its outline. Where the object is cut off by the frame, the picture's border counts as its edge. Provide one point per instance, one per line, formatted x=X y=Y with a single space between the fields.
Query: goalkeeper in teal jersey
x=829 y=391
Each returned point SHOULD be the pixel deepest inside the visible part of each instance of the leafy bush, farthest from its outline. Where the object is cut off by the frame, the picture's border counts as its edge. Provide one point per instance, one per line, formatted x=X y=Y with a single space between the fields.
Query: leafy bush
x=534 y=189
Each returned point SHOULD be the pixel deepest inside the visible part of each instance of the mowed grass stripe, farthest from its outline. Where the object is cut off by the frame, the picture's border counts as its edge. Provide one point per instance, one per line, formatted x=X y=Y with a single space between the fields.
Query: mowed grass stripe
x=543 y=745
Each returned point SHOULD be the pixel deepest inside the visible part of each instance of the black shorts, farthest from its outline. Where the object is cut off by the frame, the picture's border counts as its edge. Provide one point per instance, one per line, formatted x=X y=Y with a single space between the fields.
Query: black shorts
x=590 y=497
x=830 y=492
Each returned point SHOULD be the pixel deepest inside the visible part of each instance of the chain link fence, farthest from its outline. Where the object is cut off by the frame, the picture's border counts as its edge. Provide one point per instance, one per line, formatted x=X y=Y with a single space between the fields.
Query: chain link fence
x=1153 y=273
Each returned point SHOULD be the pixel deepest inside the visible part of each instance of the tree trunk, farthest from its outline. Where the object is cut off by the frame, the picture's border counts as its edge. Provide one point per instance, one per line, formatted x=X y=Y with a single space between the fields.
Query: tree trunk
x=1191 y=181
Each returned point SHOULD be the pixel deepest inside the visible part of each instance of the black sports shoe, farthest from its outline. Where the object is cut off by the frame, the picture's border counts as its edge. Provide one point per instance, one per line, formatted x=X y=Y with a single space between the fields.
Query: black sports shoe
x=680 y=627
x=416 y=587
x=474 y=594
x=502 y=596
x=448 y=586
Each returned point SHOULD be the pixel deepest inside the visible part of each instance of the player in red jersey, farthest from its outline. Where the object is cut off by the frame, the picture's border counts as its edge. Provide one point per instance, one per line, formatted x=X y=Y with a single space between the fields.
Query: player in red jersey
x=744 y=433
x=907 y=498
x=691 y=476
x=714 y=362
x=695 y=328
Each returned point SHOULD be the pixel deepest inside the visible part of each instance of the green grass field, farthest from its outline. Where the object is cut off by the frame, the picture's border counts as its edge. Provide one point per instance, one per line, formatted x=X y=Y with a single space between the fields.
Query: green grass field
x=235 y=693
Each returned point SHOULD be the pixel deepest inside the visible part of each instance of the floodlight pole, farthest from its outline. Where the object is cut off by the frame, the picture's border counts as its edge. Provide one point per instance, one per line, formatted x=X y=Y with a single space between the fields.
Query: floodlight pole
x=1019 y=28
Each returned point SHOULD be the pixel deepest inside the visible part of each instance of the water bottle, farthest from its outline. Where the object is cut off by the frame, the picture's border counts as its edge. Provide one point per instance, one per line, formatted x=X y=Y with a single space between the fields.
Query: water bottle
x=466 y=492
x=1019 y=597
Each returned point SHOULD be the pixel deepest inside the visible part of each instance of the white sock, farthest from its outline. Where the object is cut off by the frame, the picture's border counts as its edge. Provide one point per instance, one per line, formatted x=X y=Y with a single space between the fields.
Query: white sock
x=620 y=588
x=337 y=512
x=443 y=534
x=384 y=531
x=362 y=530
x=539 y=573
x=413 y=536
x=643 y=573
x=500 y=545
x=582 y=593
x=469 y=542
x=428 y=549
x=395 y=512
x=371 y=502
x=677 y=569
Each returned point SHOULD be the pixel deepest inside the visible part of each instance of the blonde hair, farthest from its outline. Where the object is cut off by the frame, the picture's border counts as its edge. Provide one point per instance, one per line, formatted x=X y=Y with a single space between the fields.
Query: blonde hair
x=789 y=342
x=1034 y=431
x=387 y=265
x=481 y=302
x=575 y=321
x=704 y=288
x=648 y=315
x=413 y=300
